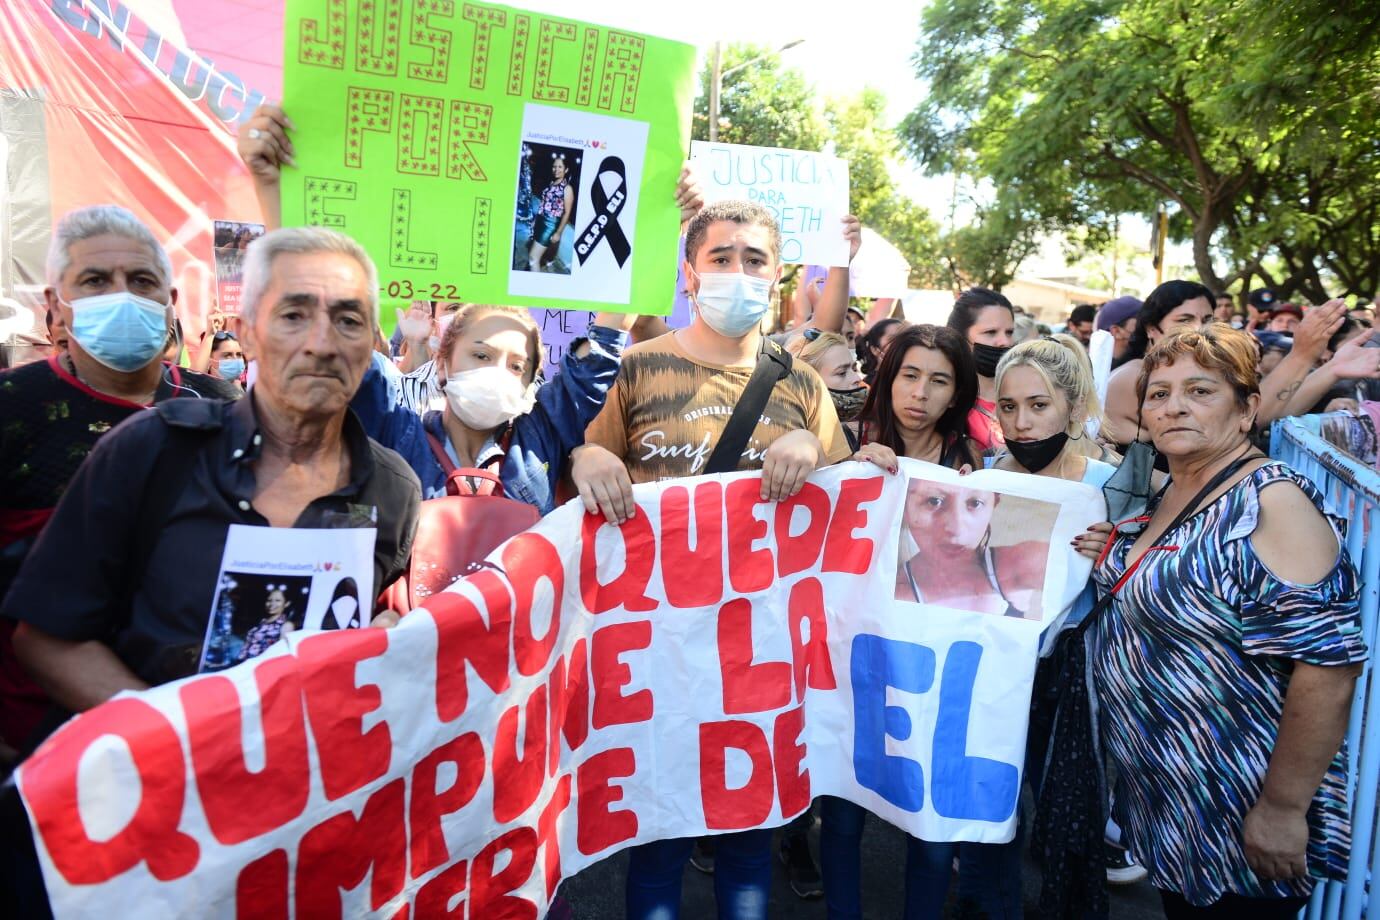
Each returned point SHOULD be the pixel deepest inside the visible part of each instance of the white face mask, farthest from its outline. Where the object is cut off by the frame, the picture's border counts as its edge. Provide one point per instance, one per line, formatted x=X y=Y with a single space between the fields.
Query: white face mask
x=732 y=303
x=486 y=397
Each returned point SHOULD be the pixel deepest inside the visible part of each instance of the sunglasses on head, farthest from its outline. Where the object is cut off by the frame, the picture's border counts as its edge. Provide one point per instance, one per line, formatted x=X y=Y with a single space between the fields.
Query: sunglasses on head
x=223 y=335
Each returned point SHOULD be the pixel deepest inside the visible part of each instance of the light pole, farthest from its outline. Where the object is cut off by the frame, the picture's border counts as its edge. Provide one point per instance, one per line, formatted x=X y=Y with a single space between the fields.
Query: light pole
x=717 y=78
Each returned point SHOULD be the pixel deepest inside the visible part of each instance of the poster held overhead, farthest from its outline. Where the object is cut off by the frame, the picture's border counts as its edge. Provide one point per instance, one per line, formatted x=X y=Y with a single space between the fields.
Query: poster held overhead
x=806 y=192
x=487 y=153
x=231 y=239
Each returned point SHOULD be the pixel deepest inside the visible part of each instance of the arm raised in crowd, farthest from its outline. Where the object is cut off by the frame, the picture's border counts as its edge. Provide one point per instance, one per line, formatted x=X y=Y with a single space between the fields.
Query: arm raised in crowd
x=832 y=305
x=690 y=200
x=1352 y=361
x=417 y=327
x=264 y=146
x=568 y=402
x=1277 y=391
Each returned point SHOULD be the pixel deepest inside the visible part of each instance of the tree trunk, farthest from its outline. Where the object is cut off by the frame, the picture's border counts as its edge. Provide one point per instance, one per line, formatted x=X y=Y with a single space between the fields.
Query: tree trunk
x=1204 y=225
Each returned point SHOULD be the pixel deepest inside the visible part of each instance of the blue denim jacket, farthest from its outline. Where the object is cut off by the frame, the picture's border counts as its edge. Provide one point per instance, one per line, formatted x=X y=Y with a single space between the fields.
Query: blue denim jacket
x=541 y=440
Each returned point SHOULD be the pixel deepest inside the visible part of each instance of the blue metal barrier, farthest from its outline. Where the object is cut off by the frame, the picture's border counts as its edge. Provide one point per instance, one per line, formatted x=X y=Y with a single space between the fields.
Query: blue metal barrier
x=1353 y=489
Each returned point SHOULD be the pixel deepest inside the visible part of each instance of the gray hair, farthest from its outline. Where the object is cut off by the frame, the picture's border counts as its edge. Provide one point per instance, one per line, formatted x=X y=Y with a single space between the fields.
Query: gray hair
x=258 y=262
x=100 y=220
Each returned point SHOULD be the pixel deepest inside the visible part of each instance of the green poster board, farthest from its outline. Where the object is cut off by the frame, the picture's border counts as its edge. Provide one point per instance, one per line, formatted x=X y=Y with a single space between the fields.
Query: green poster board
x=487 y=154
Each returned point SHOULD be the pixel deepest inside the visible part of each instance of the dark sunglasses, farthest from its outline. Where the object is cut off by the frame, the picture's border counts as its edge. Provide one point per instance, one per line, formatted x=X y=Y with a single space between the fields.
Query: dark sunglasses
x=223 y=335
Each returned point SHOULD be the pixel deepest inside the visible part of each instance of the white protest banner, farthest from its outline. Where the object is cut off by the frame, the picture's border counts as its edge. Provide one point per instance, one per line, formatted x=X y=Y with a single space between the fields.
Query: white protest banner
x=806 y=192
x=709 y=666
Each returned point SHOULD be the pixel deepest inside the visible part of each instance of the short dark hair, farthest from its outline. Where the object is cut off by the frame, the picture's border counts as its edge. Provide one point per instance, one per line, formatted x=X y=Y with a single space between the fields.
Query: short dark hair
x=1082 y=313
x=878 y=413
x=972 y=302
x=1162 y=301
x=871 y=339
x=740 y=212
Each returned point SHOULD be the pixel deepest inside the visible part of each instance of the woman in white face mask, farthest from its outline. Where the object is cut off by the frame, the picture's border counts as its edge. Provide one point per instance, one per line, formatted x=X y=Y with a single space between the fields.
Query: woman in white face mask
x=498 y=417
x=486 y=366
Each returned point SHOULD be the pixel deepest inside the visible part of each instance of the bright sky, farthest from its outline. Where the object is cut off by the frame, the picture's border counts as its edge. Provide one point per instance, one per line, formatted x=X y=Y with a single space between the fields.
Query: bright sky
x=869 y=46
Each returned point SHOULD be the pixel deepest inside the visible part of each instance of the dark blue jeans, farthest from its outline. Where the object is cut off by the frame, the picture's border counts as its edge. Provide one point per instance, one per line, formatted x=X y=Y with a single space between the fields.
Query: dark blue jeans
x=742 y=876
x=989 y=873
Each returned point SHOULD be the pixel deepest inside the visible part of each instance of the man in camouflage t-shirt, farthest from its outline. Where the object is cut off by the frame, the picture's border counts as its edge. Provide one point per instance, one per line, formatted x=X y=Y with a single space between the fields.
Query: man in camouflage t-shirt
x=674 y=395
x=667 y=410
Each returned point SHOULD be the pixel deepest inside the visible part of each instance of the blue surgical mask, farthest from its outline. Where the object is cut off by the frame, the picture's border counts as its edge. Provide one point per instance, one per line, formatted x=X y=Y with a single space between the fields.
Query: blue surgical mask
x=230 y=368
x=732 y=303
x=123 y=331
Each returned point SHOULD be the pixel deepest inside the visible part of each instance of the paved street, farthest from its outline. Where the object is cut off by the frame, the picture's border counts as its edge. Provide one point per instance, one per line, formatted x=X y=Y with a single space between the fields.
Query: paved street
x=597 y=893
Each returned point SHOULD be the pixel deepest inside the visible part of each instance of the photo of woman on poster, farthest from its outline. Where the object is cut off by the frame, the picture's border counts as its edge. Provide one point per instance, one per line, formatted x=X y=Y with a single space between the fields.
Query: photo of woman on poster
x=556 y=171
x=278 y=619
x=951 y=559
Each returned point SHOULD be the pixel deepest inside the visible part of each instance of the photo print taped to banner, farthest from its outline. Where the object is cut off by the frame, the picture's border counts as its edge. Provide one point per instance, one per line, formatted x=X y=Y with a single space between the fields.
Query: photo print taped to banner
x=601 y=161
x=972 y=549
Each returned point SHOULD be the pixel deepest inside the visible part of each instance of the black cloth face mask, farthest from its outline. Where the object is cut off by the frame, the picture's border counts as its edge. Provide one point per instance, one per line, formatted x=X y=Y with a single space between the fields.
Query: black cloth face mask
x=1036 y=455
x=986 y=358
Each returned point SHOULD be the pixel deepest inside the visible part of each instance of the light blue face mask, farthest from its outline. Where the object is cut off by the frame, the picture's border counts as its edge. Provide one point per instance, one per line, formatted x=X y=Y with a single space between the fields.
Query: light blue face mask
x=230 y=368
x=732 y=303
x=123 y=331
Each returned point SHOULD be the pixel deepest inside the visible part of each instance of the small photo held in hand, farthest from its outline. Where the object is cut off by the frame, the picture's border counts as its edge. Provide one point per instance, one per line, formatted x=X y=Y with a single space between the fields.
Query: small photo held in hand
x=250 y=613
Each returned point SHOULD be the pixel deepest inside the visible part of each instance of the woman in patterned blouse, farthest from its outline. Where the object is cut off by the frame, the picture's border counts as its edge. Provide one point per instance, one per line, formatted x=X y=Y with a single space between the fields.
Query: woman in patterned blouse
x=557 y=207
x=1226 y=663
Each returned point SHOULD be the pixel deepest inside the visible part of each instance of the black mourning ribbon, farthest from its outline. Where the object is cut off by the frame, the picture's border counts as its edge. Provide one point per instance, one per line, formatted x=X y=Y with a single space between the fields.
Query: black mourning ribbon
x=605 y=226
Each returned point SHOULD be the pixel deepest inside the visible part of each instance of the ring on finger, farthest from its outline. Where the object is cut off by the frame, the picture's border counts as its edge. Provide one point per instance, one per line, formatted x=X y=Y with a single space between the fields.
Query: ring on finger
x=254 y=134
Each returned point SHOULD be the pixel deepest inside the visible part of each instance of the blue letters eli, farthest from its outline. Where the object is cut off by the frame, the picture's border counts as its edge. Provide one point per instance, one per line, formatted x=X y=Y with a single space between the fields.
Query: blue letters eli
x=970 y=788
x=878 y=663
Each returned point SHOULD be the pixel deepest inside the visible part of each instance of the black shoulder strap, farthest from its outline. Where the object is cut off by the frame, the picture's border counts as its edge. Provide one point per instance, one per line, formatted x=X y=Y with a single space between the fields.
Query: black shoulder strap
x=773 y=364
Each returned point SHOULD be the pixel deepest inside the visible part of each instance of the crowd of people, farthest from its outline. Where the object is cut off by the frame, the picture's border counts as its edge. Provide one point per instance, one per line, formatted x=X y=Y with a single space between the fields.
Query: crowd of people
x=1221 y=626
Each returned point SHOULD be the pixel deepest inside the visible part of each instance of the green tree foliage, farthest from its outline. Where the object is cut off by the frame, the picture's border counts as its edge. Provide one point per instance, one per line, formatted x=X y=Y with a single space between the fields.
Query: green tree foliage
x=1255 y=118
x=768 y=105
x=763 y=104
x=861 y=136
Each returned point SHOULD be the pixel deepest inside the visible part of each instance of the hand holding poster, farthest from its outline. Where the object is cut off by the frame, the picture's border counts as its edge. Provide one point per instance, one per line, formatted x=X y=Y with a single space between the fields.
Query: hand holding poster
x=806 y=192
x=591 y=688
x=487 y=154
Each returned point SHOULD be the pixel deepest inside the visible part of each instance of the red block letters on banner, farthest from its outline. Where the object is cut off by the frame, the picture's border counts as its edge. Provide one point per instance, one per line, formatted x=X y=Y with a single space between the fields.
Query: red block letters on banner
x=706 y=560
x=261 y=888
x=151 y=836
x=349 y=756
x=518 y=777
x=749 y=804
x=491 y=892
x=527 y=559
x=610 y=675
x=338 y=852
x=463 y=635
x=748 y=687
x=428 y=805
x=600 y=827
x=215 y=731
